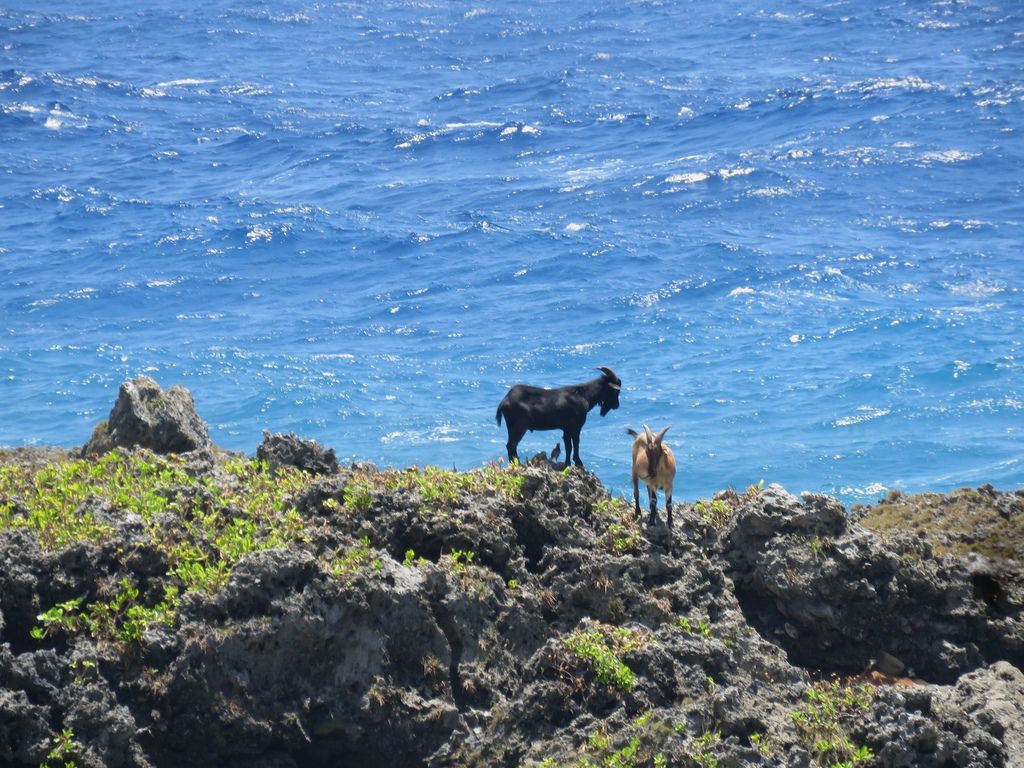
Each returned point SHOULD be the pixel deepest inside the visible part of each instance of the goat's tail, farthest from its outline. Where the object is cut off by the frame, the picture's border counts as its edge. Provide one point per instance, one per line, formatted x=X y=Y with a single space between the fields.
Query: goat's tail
x=497 y=416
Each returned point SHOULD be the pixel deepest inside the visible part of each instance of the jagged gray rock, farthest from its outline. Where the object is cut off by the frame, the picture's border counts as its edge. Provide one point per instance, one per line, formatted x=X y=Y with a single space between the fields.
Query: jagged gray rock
x=145 y=416
x=838 y=597
x=280 y=450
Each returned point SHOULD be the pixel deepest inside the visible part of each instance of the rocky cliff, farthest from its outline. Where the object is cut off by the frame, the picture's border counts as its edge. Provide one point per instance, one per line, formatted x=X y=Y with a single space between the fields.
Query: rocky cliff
x=192 y=609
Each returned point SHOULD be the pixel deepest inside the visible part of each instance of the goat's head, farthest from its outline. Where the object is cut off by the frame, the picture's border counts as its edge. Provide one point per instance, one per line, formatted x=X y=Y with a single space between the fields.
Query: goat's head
x=652 y=447
x=610 y=394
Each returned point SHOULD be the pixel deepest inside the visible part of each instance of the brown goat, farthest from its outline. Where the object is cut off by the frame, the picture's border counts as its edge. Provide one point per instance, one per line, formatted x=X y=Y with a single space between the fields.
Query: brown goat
x=653 y=463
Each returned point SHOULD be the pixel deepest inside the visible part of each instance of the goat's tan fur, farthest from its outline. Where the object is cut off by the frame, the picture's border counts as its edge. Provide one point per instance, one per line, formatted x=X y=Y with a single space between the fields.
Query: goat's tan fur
x=655 y=464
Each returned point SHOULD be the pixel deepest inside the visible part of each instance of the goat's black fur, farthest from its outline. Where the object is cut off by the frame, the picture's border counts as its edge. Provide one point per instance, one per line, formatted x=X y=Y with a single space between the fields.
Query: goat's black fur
x=565 y=408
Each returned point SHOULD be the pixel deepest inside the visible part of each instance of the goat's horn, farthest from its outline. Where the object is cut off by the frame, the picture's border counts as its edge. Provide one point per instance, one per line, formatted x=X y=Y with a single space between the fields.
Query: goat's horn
x=610 y=378
x=650 y=435
x=661 y=435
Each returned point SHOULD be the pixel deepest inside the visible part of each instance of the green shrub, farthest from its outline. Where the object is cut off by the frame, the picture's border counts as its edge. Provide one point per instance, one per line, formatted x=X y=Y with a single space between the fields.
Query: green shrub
x=601 y=650
x=820 y=722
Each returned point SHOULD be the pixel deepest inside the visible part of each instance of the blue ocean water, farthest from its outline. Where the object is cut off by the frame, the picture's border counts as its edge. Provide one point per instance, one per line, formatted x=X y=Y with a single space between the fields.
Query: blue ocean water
x=793 y=229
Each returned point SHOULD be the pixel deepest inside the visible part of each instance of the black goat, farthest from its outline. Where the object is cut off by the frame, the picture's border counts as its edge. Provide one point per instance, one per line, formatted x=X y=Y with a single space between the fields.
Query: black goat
x=565 y=408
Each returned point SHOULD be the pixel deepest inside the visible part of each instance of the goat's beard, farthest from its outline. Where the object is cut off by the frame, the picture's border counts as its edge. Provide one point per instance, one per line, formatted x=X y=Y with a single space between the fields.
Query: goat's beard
x=605 y=408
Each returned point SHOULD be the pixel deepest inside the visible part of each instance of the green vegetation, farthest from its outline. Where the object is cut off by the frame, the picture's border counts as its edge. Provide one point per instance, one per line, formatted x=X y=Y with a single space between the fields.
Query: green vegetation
x=623 y=534
x=819 y=546
x=640 y=744
x=356 y=559
x=214 y=522
x=702 y=751
x=690 y=626
x=820 y=722
x=250 y=508
x=622 y=538
x=645 y=742
x=717 y=512
x=601 y=650
x=64 y=745
x=440 y=489
x=411 y=560
x=459 y=560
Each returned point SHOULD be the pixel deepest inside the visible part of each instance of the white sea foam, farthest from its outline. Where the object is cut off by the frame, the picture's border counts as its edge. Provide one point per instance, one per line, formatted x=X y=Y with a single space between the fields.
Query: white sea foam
x=257 y=232
x=771 y=192
x=183 y=83
x=948 y=156
x=864 y=413
x=28 y=109
x=693 y=177
x=729 y=173
x=871 y=489
x=909 y=83
x=442 y=433
x=77 y=294
x=199 y=316
x=976 y=289
x=741 y=291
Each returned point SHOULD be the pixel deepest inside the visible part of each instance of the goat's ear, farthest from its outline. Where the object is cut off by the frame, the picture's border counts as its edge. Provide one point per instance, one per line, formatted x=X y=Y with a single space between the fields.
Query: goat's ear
x=661 y=435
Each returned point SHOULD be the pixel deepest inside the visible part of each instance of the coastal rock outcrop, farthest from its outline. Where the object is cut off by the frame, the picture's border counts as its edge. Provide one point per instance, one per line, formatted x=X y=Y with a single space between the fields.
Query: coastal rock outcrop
x=146 y=416
x=837 y=597
x=262 y=614
x=280 y=450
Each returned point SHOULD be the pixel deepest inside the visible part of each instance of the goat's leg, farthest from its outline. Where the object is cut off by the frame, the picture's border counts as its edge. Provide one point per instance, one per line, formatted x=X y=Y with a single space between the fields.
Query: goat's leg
x=653 y=494
x=576 y=446
x=668 y=508
x=515 y=434
x=636 y=497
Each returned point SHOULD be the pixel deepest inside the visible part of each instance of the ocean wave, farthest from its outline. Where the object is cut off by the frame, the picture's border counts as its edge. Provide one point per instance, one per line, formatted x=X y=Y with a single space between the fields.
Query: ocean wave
x=459 y=130
x=184 y=82
x=864 y=413
x=874 y=85
x=58 y=119
x=975 y=289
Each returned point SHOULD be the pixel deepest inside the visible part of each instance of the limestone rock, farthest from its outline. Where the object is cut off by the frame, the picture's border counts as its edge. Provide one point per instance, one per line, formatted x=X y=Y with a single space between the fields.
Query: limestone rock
x=289 y=450
x=145 y=416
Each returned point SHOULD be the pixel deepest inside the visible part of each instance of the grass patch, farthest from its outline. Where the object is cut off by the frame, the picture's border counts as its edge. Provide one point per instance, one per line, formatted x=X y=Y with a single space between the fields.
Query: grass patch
x=966 y=520
x=248 y=508
x=439 y=489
